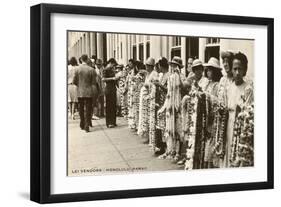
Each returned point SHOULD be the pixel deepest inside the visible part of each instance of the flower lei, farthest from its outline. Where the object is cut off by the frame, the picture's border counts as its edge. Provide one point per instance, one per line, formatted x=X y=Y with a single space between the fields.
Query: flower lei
x=189 y=118
x=152 y=118
x=242 y=150
x=219 y=130
x=131 y=120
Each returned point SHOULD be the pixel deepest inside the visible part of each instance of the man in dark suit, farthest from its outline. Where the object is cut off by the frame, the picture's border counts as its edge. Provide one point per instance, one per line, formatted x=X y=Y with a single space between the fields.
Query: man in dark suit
x=85 y=79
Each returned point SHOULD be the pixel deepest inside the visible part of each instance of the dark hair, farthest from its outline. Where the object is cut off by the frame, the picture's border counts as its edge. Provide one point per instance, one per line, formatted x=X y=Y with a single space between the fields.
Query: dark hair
x=139 y=65
x=94 y=57
x=132 y=61
x=80 y=61
x=73 y=61
x=217 y=74
x=84 y=58
x=243 y=59
x=112 y=61
x=163 y=62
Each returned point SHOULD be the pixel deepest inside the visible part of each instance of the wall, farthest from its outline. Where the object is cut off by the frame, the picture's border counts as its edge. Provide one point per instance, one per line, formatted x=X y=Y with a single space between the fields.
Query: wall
x=14 y=104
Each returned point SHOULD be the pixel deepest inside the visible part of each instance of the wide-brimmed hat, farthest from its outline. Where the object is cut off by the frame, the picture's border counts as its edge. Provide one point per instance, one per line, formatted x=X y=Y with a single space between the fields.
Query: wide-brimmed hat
x=213 y=62
x=196 y=63
x=150 y=61
x=176 y=60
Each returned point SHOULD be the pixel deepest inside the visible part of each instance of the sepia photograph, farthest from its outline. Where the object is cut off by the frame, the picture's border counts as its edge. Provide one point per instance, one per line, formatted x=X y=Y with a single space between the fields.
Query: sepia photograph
x=140 y=103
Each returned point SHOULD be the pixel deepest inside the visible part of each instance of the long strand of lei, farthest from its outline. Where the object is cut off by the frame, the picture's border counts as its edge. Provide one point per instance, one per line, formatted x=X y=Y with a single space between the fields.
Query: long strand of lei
x=152 y=118
x=190 y=104
x=242 y=151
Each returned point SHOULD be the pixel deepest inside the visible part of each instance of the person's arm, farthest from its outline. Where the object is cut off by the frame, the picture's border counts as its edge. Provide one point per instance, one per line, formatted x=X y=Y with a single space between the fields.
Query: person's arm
x=75 y=78
x=108 y=79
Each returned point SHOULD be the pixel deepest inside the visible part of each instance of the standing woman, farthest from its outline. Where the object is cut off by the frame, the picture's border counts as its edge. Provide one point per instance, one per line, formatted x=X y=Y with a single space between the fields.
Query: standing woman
x=72 y=89
x=144 y=105
x=121 y=81
x=130 y=90
x=239 y=93
x=213 y=73
x=172 y=107
x=161 y=92
x=110 y=92
x=226 y=80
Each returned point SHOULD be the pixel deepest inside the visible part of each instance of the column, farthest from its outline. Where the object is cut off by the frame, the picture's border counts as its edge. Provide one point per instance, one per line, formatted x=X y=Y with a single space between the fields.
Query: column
x=93 y=44
x=183 y=52
x=83 y=44
x=170 y=41
x=100 y=46
x=108 y=46
x=129 y=47
x=137 y=46
x=155 y=47
x=124 y=49
x=88 y=44
x=165 y=45
x=202 y=45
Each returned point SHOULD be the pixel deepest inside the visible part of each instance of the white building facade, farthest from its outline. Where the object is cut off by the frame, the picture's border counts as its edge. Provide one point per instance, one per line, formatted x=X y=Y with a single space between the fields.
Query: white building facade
x=123 y=47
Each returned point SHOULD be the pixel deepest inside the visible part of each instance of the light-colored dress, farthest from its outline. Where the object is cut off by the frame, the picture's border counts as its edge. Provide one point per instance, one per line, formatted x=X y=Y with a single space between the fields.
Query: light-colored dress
x=72 y=89
x=173 y=118
x=222 y=90
x=235 y=95
x=147 y=101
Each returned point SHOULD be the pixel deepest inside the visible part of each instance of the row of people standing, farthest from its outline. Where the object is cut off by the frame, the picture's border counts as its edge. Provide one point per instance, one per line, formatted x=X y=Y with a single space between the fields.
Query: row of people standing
x=194 y=118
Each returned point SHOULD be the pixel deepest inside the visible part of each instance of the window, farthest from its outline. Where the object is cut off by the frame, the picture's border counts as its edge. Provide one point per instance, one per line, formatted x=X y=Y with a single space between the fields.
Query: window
x=192 y=47
x=147 y=50
x=213 y=40
x=141 y=52
x=134 y=52
x=212 y=52
x=176 y=52
x=176 y=41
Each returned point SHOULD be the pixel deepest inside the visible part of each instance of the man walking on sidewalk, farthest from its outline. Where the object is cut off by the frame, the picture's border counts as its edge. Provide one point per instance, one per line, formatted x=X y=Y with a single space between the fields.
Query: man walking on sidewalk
x=85 y=79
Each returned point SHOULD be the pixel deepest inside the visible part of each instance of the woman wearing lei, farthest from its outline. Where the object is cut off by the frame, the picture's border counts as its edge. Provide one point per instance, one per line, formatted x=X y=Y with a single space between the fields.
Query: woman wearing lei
x=213 y=73
x=161 y=92
x=146 y=116
x=172 y=108
x=239 y=97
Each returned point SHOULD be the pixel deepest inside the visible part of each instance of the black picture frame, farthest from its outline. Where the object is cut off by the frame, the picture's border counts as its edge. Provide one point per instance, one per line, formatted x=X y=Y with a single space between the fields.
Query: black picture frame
x=41 y=98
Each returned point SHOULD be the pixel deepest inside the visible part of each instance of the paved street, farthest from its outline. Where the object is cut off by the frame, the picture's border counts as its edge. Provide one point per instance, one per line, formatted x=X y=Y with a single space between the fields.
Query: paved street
x=106 y=151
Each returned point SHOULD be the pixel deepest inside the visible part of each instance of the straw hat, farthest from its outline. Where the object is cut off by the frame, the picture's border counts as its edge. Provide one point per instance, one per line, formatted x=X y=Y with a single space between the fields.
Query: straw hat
x=150 y=61
x=177 y=60
x=196 y=63
x=213 y=62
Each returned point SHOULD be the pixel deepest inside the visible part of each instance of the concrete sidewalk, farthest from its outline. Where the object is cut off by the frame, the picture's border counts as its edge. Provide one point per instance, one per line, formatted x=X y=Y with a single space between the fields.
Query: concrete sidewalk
x=110 y=151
